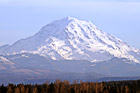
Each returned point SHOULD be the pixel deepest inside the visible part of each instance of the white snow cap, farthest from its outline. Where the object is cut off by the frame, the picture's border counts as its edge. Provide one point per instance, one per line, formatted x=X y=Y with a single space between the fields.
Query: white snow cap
x=73 y=39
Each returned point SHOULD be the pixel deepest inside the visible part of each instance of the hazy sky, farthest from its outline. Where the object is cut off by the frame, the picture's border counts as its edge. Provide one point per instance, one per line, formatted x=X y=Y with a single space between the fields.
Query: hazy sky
x=22 y=18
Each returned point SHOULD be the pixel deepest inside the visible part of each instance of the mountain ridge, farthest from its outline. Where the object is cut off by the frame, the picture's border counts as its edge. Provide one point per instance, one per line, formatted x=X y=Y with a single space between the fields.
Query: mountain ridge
x=68 y=49
x=73 y=39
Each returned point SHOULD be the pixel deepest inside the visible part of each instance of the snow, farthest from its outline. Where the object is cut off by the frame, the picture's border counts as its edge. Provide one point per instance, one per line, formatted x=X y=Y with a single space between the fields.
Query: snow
x=73 y=39
x=5 y=60
x=5 y=63
x=94 y=60
x=24 y=56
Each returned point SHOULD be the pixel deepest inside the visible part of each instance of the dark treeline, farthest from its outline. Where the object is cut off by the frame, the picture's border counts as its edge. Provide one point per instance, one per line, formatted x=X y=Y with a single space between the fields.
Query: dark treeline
x=131 y=86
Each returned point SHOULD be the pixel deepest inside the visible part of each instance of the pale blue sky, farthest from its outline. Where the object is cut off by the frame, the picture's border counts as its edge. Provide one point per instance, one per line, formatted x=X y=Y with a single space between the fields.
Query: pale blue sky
x=22 y=18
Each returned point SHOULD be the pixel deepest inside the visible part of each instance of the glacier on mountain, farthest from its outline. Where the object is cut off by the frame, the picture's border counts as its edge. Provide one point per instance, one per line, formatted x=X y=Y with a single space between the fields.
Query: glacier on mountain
x=73 y=39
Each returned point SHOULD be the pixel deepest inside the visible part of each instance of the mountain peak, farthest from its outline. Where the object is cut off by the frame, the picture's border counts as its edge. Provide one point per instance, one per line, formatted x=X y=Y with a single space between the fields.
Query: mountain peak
x=73 y=39
x=72 y=19
x=69 y=18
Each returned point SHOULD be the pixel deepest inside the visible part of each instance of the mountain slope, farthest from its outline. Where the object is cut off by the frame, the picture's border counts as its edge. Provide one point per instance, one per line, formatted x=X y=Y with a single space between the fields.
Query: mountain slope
x=73 y=39
x=33 y=68
x=6 y=64
x=34 y=64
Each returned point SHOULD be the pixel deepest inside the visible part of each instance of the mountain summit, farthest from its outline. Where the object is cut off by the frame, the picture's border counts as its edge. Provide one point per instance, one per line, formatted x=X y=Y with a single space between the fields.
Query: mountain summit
x=73 y=39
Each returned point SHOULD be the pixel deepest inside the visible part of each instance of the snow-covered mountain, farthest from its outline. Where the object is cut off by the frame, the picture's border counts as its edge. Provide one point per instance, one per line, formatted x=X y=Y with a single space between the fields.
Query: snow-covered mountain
x=68 y=49
x=73 y=39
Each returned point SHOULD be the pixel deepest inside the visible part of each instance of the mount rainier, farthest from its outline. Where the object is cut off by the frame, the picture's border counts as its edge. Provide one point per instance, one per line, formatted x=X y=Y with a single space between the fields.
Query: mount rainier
x=73 y=39
x=68 y=49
